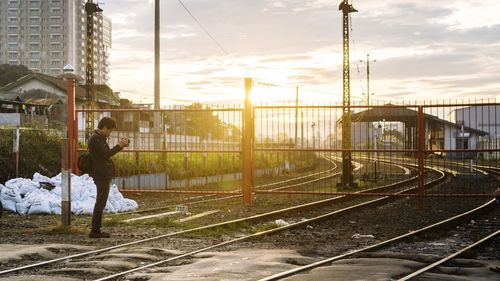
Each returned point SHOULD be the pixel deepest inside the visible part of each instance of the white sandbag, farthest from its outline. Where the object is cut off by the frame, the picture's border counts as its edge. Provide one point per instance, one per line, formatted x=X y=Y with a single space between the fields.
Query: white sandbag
x=84 y=207
x=39 y=207
x=88 y=191
x=9 y=196
x=56 y=191
x=22 y=208
x=27 y=188
x=13 y=183
x=76 y=192
x=8 y=205
x=129 y=205
x=55 y=206
x=40 y=178
x=116 y=205
x=57 y=180
x=42 y=201
x=110 y=208
x=56 y=210
x=36 y=195
x=114 y=192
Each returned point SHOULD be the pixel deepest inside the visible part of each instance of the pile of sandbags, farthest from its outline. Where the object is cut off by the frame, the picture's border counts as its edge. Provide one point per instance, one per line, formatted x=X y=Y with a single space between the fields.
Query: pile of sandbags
x=25 y=196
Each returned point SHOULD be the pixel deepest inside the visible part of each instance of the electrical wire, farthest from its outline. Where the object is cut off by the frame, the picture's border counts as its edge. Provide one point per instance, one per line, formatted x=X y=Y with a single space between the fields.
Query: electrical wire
x=203 y=28
x=149 y=96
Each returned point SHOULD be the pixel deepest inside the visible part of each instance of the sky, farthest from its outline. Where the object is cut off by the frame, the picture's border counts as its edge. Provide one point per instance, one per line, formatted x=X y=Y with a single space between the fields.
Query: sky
x=419 y=50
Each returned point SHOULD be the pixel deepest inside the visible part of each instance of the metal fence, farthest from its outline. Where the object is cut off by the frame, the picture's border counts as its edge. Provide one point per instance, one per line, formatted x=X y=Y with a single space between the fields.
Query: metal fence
x=295 y=148
x=298 y=149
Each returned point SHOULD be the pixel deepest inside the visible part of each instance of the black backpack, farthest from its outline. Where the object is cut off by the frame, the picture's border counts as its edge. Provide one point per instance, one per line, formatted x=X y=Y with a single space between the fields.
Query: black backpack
x=85 y=163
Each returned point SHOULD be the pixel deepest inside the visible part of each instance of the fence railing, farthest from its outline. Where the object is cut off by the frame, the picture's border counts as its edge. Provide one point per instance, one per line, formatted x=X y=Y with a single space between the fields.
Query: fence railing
x=298 y=149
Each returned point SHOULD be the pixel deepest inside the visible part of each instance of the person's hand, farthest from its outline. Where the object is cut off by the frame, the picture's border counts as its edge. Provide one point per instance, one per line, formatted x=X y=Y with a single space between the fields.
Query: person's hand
x=124 y=142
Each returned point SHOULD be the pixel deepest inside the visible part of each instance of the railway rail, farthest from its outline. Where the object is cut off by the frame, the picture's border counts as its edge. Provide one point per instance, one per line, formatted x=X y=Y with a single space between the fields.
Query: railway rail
x=253 y=218
x=486 y=226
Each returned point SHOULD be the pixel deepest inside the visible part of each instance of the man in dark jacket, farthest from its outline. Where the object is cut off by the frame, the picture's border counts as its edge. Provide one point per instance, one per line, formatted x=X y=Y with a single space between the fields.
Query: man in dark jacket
x=103 y=169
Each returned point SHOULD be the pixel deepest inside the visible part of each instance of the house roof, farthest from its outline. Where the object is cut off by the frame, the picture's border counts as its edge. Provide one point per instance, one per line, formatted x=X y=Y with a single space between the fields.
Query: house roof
x=401 y=114
x=104 y=94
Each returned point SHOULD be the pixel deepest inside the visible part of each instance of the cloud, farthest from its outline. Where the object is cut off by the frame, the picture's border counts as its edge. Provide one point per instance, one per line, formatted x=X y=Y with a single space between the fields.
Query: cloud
x=423 y=48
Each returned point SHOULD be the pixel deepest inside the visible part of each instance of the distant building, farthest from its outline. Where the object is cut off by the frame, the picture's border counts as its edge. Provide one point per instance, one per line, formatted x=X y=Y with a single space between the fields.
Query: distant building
x=439 y=134
x=481 y=117
x=485 y=118
x=43 y=97
x=45 y=35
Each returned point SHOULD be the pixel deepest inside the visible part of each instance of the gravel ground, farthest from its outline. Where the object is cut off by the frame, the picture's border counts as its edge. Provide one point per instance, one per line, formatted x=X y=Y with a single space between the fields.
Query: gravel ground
x=324 y=239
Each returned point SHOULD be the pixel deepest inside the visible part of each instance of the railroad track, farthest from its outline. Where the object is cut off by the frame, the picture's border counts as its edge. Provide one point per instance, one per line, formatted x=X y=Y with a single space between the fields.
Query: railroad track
x=34 y=268
x=207 y=198
x=305 y=183
x=462 y=235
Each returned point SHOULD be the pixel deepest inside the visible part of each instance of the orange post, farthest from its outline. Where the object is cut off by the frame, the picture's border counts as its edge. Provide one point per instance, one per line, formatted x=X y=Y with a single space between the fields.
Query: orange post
x=248 y=145
x=71 y=120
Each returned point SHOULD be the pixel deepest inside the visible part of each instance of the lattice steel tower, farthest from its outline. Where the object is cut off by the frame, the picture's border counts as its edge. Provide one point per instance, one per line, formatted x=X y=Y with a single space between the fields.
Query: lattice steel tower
x=90 y=9
x=347 y=180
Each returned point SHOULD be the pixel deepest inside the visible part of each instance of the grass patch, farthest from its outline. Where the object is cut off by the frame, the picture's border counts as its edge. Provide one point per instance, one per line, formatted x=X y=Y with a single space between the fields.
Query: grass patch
x=61 y=229
x=265 y=227
x=219 y=231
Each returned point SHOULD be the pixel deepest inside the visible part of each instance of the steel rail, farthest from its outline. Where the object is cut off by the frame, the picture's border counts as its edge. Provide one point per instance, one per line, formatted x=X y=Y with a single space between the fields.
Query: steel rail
x=251 y=218
x=358 y=166
x=278 y=229
x=449 y=257
x=380 y=244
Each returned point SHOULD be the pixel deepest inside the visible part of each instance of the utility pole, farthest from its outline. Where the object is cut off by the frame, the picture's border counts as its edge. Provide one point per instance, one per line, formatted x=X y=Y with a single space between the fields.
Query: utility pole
x=368 y=94
x=368 y=79
x=157 y=116
x=347 y=180
x=296 y=112
x=157 y=55
x=90 y=10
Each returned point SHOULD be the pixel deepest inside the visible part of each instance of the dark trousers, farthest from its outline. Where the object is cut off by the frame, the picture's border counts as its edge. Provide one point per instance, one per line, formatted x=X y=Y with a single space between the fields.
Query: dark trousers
x=100 y=203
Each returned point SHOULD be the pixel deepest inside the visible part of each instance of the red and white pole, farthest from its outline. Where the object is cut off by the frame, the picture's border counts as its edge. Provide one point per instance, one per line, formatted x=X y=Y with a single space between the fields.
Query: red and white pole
x=68 y=147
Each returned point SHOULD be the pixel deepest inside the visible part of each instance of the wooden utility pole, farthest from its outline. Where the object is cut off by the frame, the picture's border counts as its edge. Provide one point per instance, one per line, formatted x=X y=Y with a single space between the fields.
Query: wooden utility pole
x=158 y=122
x=157 y=55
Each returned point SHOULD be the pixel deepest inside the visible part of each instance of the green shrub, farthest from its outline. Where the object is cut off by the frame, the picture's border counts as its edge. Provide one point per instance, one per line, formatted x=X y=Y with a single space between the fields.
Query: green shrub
x=39 y=151
x=178 y=167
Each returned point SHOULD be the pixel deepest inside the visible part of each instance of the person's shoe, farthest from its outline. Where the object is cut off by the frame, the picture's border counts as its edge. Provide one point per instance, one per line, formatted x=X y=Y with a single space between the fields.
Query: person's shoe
x=99 y=235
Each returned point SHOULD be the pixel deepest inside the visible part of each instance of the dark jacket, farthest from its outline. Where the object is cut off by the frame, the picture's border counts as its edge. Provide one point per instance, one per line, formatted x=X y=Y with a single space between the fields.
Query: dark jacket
x=103 y=167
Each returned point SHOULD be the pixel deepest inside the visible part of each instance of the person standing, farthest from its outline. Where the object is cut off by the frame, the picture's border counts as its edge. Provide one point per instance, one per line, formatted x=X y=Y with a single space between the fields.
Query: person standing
x=103 y=169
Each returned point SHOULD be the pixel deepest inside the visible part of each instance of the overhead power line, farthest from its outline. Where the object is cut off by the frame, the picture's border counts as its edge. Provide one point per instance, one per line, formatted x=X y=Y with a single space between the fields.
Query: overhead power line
x=149 y=96
x=203 y=28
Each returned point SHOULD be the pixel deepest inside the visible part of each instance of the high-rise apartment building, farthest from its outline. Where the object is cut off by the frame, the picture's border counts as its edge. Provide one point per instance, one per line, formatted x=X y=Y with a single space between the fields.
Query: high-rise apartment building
x=45 y=35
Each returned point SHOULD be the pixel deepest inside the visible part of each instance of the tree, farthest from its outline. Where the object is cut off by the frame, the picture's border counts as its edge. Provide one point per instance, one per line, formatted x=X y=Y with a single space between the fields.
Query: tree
x=10 y=73
x=202 y=123
x=394 y=135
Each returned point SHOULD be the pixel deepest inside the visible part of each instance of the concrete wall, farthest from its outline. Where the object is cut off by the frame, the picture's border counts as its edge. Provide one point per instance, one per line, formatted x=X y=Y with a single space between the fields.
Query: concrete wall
x=161 y=181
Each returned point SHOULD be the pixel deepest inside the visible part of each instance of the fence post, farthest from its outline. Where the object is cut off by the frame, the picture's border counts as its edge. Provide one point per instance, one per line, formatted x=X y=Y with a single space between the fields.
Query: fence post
x=72 y=126
x=15 y=150
x=247 y=145
x=421 y=157
x=66 y=183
